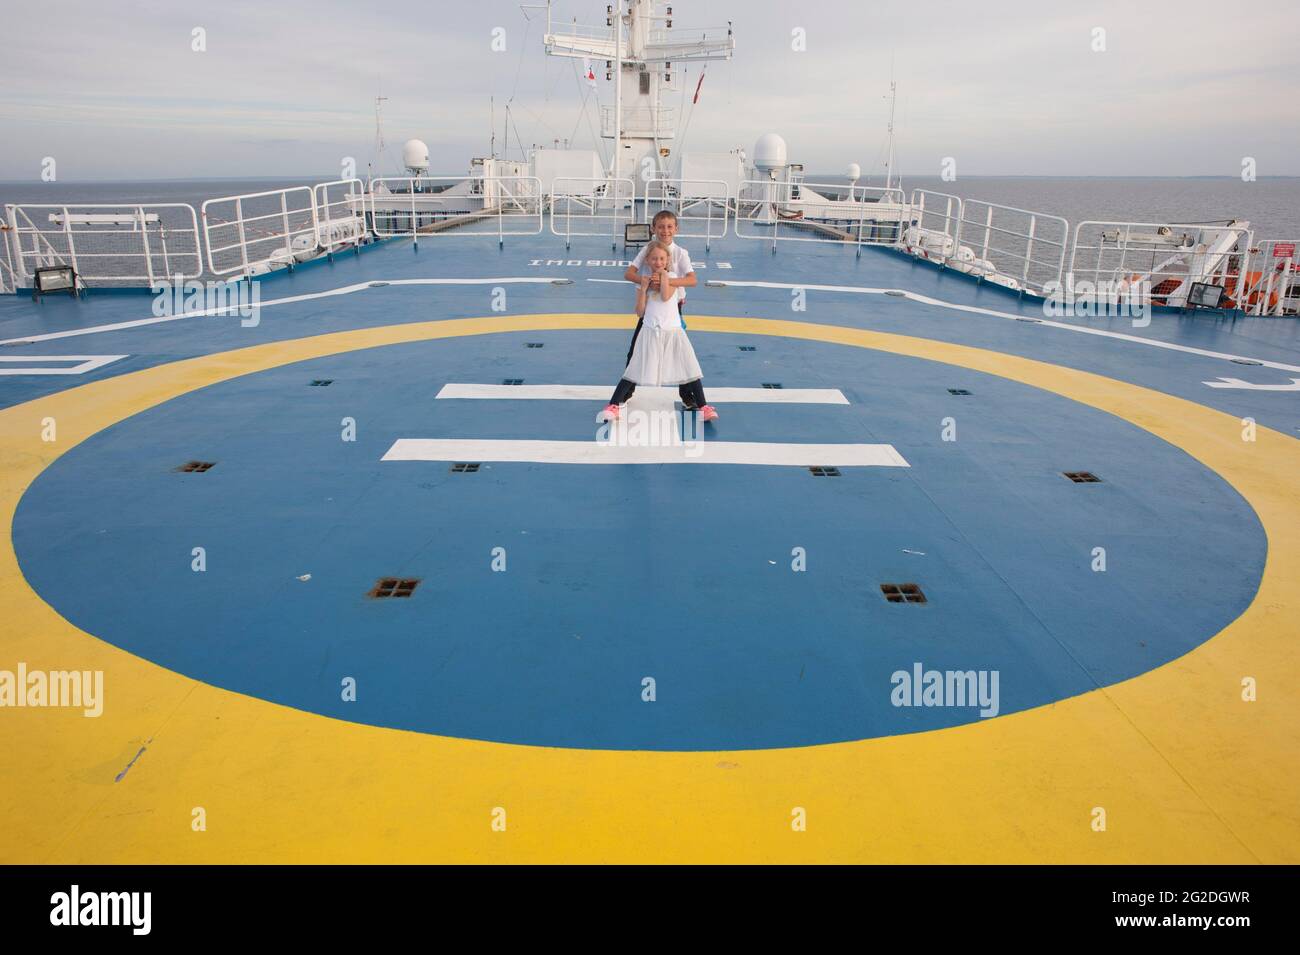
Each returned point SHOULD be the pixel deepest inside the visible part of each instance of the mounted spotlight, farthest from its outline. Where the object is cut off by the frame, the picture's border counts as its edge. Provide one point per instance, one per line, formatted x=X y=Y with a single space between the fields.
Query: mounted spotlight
x=1204 y=295
x=55 y=278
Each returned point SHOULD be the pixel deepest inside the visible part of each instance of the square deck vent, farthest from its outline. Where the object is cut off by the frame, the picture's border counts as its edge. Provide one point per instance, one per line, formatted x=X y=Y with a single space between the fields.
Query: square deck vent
x=903 y=593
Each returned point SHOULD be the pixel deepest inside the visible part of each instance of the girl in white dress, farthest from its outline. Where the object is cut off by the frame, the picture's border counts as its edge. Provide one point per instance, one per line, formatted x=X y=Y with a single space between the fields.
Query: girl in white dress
x=663 y=354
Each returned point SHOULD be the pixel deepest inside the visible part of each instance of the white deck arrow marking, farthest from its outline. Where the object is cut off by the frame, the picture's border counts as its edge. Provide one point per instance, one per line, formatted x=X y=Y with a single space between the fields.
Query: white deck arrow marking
x=1250 y=386
x=85 y=363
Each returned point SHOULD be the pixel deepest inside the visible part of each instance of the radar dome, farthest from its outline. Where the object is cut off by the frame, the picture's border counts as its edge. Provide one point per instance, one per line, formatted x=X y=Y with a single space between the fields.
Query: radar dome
x=769 y=153
x=415 y=156
x=855 y=171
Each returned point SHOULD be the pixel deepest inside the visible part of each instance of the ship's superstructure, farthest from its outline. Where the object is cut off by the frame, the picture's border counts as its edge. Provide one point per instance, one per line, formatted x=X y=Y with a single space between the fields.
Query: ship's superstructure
x=643 y=51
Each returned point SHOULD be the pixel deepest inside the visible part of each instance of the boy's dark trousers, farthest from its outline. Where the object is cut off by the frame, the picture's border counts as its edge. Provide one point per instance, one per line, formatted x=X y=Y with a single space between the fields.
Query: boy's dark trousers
x=691 y=393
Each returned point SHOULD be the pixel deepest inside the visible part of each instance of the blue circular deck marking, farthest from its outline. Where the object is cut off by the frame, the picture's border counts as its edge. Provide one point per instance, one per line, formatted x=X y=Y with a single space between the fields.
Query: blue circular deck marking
x=618 y=573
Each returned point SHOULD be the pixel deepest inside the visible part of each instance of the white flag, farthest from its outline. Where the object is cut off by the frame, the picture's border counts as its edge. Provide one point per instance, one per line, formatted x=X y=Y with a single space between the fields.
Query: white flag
x=589 y=73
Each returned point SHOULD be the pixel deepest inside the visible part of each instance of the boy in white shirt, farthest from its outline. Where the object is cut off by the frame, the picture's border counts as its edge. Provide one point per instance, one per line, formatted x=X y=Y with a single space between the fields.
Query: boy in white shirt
x=662 y=354
x=665 y=227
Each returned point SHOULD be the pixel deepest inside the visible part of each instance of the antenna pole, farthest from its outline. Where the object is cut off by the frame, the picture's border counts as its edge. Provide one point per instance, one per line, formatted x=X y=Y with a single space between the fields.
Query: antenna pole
x=889 y=165
x=618 y=87
x=492 y=123
x=379 y=132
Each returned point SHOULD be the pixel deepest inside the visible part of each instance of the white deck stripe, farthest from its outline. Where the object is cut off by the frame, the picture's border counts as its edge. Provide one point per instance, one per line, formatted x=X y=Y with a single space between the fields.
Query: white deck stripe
x=593 y=452
x=926 y=300
x=233 y=310
x=643 y=396
x=1251 y=386
x=86 y=363
x=538 y=280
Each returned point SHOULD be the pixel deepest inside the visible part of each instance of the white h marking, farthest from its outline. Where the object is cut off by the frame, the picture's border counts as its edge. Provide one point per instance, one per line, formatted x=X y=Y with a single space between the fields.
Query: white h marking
x=618 y=449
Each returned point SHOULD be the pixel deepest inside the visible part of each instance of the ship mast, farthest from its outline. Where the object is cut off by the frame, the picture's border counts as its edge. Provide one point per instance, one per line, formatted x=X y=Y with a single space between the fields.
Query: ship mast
x=889 y=163
x=379 y=136
x=639 y=42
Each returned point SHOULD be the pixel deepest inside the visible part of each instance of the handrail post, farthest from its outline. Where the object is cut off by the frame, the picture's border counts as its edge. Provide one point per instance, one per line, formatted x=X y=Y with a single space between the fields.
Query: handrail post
x=20 y=271
x=1029 y=250
x=67 y=232
x=243 y=240
x=415 y=230
x=284 y=216
x=144 y=241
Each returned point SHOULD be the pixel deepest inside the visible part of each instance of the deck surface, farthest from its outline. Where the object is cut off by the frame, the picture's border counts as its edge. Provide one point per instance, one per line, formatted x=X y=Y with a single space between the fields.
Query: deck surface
x=555 y=581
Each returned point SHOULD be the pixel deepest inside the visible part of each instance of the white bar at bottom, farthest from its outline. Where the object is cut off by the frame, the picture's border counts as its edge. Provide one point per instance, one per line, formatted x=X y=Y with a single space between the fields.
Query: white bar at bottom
x=688 y=452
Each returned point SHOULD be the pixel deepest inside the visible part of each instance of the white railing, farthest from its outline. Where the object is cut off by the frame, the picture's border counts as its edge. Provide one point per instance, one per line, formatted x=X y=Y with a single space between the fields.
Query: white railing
x=1006 y=243
x=935 y=225
x=8 y=275
x=340 y=213
x=797 y=211
x=1124 y=255
x=591 y=205
x=418 y=206
x=701 y=205
x=106 y=244
x=260 y=231
x=1270 y=281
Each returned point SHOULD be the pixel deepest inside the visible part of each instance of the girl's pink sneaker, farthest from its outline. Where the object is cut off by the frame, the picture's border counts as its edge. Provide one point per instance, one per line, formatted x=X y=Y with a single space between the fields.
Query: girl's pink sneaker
x=607 y=413
x=709 y=413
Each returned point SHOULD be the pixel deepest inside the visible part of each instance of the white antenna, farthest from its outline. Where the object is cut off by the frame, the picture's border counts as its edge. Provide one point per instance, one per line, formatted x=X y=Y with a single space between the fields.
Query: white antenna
x=889 y=164
x=616 y=21
x=379 y=131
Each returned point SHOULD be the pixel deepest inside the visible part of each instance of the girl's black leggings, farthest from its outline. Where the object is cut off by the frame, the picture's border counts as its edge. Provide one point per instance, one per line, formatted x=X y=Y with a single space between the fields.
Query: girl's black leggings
x=691 y=393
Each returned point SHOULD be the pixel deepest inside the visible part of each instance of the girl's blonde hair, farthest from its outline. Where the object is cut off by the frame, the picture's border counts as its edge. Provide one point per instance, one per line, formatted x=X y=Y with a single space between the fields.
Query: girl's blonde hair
x=656 y=244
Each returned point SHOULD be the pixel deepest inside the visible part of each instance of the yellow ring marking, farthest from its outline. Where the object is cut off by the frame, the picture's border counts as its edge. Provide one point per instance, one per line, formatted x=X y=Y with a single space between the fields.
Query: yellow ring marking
x=1184 y=769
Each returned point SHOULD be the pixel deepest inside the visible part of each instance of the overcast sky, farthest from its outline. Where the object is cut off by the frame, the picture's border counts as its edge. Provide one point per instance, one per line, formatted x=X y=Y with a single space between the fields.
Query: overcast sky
x=1005 y=87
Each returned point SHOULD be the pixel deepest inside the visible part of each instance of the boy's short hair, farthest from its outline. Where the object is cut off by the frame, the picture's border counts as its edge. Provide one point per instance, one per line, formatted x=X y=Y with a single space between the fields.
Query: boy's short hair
x=663 y=214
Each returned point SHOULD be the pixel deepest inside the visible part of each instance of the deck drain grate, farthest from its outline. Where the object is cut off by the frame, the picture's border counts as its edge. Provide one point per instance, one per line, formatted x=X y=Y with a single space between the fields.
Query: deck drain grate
x=895 y=293
x=958 y=391
x=1082 y=477
x=378 y=284
x=512 y=381
x=820 y=471
x=747 y=348
x=394 y=587
x=903 y=593
x=1032 y=321
x=321 y=382
x=465 y=467
x=196 y=467
x=534 y=344
x=772 y=384
x=1245 y=361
